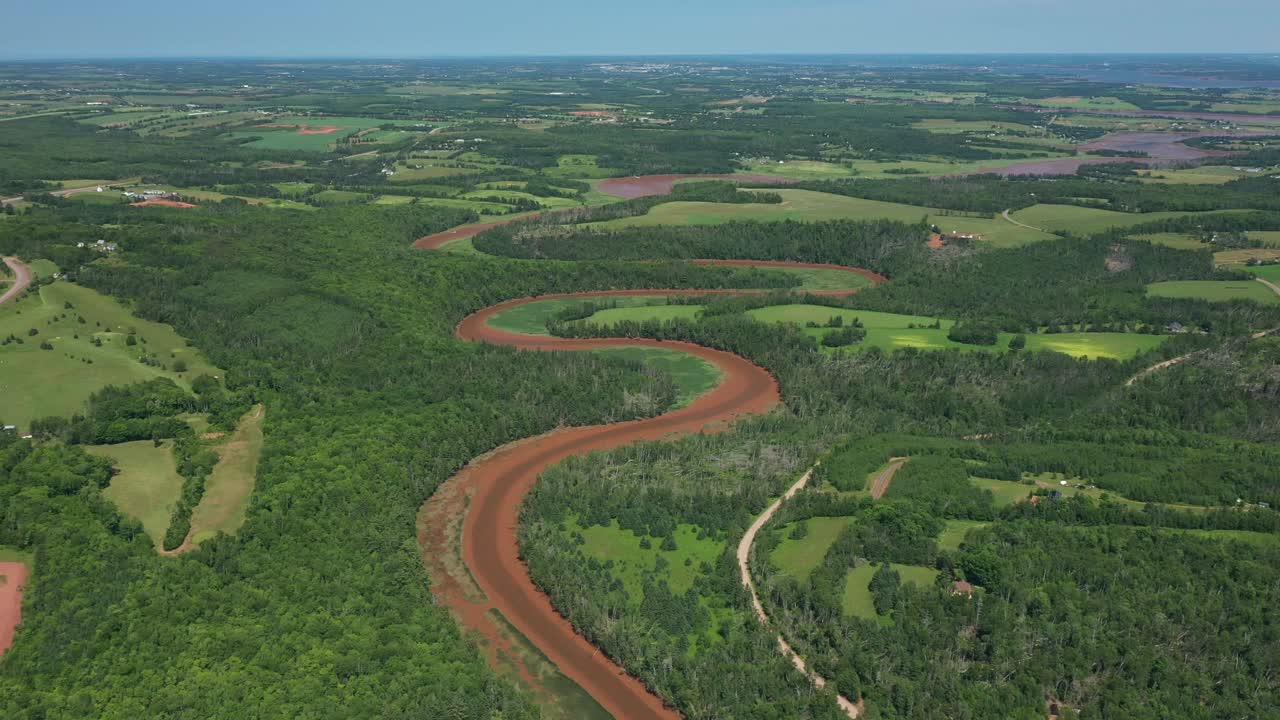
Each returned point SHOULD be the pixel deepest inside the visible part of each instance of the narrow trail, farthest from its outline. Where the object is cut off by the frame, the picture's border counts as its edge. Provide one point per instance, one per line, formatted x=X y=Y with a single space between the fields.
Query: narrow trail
x=881 y=482
x=1019 y=223
x=21 y=279
x=468 y=529
x=744 y=555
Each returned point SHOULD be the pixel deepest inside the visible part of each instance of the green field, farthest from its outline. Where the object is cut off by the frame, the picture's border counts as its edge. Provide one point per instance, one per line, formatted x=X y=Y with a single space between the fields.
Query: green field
x=693 y=375
x=798 y=557
x=1086 y=220
x=37 y=383
x=1214 y=290
x=810 y=206
x=230 y=485
x=148 y=485
x=531 y=318
x=1005 y=491
x=1177 y=241
x=819 y=279
x=955 y=531
x=630 y=560
x=890 y=331
x=1270 y=273
x=613 y=316
x=856 y=599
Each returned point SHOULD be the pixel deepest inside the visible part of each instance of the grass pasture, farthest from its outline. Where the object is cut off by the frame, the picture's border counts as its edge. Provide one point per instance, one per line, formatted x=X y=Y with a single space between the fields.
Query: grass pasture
x=955 y=531
x=36 y=383
x=1214 y=290
x=799 y=557
x=147 y=486
x=693 y=375
x=1086 y=220
x=891 y=331
x=631 y=560
x=856 y=599
x=230 y=485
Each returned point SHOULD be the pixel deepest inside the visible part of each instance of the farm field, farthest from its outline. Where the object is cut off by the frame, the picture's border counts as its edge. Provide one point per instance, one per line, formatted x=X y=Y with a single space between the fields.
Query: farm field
x=1270 y=273
x=36 y=382
x=1214 y=290
x=148 y=484
x=810 y=206
x=1085 y=220
x=1206 y=175
x=889 y=169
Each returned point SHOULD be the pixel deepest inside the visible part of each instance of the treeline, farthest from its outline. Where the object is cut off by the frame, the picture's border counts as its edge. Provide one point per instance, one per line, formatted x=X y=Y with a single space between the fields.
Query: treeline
x=884 y=246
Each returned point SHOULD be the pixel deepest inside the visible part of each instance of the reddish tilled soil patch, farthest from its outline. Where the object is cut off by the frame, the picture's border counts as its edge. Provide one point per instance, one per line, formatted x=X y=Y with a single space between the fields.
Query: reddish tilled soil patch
x=13 y=577
x=162 y=203
x=646 y=185
x=494 y=488
x=304 y=129
x=936 y=242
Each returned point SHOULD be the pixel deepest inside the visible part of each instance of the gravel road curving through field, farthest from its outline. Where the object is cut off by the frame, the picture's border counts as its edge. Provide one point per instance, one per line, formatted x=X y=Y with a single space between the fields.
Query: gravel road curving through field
x=475 y=561
x=22 y=279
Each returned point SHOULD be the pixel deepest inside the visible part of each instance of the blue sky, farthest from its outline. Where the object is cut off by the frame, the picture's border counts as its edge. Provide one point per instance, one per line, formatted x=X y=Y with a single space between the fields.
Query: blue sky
x=431 y=28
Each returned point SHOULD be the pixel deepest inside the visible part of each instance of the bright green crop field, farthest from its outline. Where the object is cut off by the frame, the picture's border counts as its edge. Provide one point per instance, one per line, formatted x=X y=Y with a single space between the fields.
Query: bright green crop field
x=1215 y=290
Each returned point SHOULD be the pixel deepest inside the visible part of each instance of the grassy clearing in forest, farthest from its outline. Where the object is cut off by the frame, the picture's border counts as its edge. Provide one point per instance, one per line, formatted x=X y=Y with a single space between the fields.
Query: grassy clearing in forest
x=954 y=532
x=36 y=382
x=798 y=557
x=147 y=486
x=631 y=561
x=230 y=485
x=693 y=375
x=857 y=599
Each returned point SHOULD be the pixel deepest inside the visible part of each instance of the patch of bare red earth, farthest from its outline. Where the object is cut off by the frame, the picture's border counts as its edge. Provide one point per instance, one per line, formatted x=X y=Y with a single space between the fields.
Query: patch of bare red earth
x=13 y=577
x=21 y=279
x=162 y=203
x=304 y=129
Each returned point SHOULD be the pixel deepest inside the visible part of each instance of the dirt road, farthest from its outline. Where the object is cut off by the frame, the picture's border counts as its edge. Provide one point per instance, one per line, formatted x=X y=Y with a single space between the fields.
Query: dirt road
x=744 y=554
x=1019 y=223
x=22 y=279
x=881 y=481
